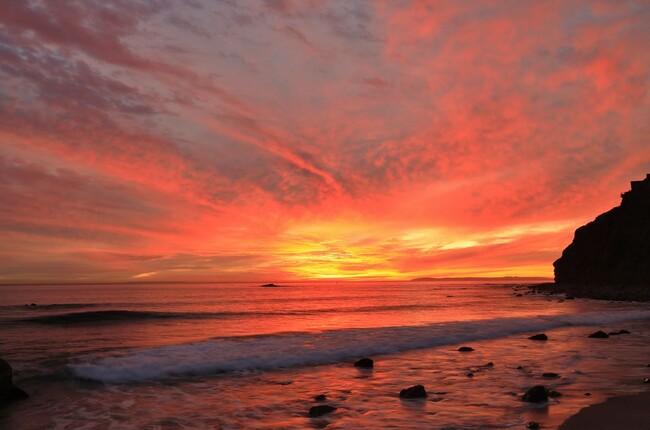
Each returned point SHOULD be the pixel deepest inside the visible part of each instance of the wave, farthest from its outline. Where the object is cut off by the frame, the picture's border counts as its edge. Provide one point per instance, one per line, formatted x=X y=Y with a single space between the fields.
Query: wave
x=55 y=306
x=119 y=315
x=303 y=349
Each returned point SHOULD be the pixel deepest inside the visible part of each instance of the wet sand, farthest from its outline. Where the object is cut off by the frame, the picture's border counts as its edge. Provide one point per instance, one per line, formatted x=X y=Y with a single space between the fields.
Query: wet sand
x=626 y=412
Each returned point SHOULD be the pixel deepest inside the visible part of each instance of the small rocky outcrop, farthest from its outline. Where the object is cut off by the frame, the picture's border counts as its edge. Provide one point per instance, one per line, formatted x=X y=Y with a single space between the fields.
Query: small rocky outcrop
x=364 y=363
x=414 y=392
x=466 y=349
x=612 y=251
x=537 y=394
x=599 y=335
x=320 y=410
x=550 y=375
x=540 y=336
x=320 y=398
x=8 y=391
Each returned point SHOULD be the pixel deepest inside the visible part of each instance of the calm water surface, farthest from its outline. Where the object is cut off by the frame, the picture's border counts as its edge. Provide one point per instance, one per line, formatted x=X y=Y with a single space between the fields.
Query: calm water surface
x=241 y=356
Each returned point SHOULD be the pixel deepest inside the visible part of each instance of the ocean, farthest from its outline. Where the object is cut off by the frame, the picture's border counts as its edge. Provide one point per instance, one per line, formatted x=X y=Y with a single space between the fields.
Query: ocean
x=239 y=356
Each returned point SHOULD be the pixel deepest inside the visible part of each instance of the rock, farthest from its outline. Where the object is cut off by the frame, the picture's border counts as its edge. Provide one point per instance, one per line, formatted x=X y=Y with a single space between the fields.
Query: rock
x=520 y=367
x=320 y=398
x=540 y=336
x=489 y=364
x=537 y=394
x=465 y=349
x=519 y=295
x=598 y=335
x=553 y=393
x=612 y=251
x=587 y=394
x=532 y=425
x=470 y=375
x=8 y=391
x=269 y=285
x=365 y=363
x=550 y=375
x=623 y=332
x=414 y=392
x=320 y=410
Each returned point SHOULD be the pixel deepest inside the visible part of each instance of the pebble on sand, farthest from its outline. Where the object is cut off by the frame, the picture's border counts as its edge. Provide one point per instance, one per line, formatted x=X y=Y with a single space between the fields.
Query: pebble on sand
x=320 y=410
x=414 y=392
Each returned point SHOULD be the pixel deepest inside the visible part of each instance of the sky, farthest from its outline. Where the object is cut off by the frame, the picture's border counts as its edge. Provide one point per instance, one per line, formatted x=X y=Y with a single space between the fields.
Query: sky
x=290 y=140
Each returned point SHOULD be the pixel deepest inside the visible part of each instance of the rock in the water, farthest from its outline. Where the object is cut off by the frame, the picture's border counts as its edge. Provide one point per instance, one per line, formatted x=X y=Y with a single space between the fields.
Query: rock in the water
x=532 y=425
x=550 y=375
x=269 y=285
x=623 y=332
x=465 y=349
x=365 y=363
x=9 y=392
x=537 y=394
x=320 y=410
x=613 y=249
x=587 y=394
x=489 y=364
x=414 y=392
x=470 y=375
x=320 y=398
x=598 y=335
x=519 y=295
x=540 y=336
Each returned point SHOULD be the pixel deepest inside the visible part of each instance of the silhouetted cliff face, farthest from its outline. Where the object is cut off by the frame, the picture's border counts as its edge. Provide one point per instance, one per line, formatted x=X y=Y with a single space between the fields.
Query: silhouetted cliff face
x=614 y=249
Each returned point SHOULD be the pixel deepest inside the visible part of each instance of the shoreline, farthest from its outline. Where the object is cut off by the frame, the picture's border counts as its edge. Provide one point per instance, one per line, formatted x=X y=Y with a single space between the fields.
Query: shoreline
x=628 y=293
x=628 y=412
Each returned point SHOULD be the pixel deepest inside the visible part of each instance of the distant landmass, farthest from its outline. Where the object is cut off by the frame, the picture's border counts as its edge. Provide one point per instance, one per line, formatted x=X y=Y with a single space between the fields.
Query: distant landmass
x=610 y=256
x=485 y=278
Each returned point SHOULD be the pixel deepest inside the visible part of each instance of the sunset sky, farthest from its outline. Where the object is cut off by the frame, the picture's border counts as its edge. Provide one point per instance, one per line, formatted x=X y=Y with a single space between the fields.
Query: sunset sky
x=278 y=140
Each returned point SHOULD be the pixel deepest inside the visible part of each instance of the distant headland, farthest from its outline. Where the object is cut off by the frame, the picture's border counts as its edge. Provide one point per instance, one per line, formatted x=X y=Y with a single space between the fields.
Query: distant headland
x=609 y=257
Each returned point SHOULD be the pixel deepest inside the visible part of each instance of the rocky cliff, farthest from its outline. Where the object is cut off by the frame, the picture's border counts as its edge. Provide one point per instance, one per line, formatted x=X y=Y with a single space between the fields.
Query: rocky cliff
x=614 y=249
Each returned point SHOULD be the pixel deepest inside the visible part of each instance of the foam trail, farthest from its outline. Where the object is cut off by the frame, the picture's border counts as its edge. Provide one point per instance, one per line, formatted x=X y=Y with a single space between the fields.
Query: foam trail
x=282 y=351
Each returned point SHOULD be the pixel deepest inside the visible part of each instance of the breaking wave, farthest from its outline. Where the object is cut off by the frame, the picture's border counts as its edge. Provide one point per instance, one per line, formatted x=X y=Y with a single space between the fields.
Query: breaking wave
x=302 y=349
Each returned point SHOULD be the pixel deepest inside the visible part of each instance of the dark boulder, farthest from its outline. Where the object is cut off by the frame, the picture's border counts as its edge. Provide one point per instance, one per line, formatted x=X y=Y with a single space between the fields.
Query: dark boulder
x=320 y=410
x=470 y=375
x=532 y=425
x=365 y=363
x=599 y=335
x=489 y=364
x=537 y=394
x=611 y=255
x=320 y=398
x=550 y=375
x=465 y=349
x=8 y=391
x=414 y=392
x=540 y=336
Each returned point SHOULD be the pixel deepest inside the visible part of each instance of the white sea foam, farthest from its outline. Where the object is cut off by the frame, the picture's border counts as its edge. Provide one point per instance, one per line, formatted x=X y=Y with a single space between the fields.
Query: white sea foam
x=290 y=350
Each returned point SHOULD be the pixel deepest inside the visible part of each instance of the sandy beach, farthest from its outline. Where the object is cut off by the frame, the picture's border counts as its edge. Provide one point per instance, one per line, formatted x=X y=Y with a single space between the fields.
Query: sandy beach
x=625 y=412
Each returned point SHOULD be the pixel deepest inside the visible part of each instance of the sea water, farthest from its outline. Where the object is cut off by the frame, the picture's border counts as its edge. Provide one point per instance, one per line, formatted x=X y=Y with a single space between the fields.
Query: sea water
x=231 y=356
